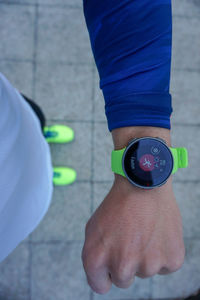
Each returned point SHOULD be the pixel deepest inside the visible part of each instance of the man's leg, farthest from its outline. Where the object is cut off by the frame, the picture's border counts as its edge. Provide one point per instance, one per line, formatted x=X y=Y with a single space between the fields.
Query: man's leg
x=37 y=111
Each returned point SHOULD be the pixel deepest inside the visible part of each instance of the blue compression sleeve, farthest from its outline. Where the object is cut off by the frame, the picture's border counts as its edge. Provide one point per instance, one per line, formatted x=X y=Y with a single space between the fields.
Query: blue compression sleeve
x=131 y=42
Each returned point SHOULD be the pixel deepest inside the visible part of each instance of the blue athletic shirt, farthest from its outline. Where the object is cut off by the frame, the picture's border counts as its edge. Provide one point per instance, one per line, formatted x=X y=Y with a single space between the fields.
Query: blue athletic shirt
x=131 y=41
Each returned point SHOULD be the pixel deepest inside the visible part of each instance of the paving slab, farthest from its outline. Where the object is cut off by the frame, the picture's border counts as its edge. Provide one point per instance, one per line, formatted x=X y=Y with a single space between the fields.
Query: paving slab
x=186 y=8
x=15 y=275
x=20 y=75
x=67 y=216
x=185 y=42
x=64 y=91
x=20 y=44
x=185 y=91
x=183 y=282
x=62 y=35
x=187 y=196
x=57 y=272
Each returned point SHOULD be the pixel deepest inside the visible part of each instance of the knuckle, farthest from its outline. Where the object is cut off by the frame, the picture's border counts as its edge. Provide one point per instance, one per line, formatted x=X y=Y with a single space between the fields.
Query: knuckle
x=151 y=268
x=176 y=260
x=93 y=259
x=151 y=271
x=175 y=263
x=124 y=272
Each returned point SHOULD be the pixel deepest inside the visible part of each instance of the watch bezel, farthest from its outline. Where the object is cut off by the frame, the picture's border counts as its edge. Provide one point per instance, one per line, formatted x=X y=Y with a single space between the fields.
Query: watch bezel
x=130 y=144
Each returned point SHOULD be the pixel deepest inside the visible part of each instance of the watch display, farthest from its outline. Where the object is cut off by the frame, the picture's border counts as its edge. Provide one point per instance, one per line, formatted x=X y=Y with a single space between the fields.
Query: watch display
x=147 y=162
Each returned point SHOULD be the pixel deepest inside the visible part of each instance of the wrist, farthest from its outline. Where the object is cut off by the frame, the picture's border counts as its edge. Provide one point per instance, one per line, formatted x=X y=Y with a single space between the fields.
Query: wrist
x=121 y=136
x=125 y=187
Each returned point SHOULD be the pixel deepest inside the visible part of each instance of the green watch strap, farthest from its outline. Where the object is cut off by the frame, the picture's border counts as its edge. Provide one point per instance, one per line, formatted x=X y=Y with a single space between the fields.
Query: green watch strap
x=180 y=156
x=116 y=161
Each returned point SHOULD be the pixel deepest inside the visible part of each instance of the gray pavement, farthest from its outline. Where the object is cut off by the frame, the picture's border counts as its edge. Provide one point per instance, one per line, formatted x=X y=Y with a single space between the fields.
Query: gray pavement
x=45 y=53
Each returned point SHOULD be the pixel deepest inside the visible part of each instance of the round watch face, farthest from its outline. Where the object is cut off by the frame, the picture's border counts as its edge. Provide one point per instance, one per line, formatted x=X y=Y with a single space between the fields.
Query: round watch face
x=147 y=162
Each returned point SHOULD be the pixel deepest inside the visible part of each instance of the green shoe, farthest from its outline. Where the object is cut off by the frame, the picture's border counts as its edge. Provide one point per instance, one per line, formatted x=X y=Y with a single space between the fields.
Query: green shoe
x=58 y=134
x=63 y=175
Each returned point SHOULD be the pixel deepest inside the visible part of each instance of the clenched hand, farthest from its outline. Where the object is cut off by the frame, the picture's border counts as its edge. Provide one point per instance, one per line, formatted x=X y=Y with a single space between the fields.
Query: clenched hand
x=134 y=232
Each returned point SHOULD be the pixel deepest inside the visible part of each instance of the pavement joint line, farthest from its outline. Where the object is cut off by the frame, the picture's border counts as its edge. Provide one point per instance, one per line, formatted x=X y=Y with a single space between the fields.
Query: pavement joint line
x=35 y=37
x=151 y=288
x=174 y=15
x=17 y=4
x=16 y=60
x=66 y=63
x=81 y=64
x=35 y=50
x=96 y=181
x=68 y=6
x=185 y=69
x=71 y=242
x=60 y=5
x=185 y=124
x=91 y=293
x=59 y=63
x=105 y=122
x=110 y=181
x=73 y=121
x=29 y=268
x=92 y=152
x=80 y=7
x=54 y=242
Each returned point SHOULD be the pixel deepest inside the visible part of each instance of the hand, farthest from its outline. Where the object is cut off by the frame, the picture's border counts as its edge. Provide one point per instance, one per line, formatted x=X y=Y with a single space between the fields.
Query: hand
x=134 y=232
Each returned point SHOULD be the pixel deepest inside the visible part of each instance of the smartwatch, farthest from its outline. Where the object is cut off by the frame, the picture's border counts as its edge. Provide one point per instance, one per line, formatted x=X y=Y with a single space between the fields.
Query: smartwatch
x=147 y=162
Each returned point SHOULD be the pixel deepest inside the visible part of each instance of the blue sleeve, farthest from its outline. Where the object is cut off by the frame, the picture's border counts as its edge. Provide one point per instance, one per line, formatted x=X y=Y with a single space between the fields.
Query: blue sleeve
x=131 y=42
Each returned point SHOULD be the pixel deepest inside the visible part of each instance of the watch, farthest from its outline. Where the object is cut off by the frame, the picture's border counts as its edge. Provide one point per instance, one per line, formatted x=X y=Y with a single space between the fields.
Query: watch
x=147 y=162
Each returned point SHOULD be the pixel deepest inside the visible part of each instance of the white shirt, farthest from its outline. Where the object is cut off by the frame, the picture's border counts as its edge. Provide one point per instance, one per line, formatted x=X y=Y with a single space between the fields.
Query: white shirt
x=26 y=171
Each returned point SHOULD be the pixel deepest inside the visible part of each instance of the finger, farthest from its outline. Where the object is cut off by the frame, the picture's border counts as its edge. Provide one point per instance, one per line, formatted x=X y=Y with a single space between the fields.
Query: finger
x=95 y=266
x=149 y=267
x=123 y=276
x=173 y=265
x=121 y=282
x=99 y=280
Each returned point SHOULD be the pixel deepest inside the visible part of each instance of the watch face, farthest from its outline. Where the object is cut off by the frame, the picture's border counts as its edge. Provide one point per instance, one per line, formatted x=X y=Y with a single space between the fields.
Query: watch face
x=147 y=162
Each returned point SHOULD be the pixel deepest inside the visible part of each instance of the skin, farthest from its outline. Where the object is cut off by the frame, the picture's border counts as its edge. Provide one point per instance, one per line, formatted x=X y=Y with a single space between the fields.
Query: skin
x=134 y=232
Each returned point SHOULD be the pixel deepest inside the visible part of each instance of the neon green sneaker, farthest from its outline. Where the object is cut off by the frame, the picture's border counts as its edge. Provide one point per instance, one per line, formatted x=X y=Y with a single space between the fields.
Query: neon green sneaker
x=58 y=134
x=63 y=175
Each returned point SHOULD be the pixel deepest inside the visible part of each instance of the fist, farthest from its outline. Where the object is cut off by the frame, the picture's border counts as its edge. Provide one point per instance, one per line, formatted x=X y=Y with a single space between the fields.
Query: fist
x=134 y=232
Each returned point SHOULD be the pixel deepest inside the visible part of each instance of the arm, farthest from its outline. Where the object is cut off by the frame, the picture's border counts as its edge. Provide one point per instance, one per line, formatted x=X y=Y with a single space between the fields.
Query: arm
x=133 y=232
x=131 y=43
